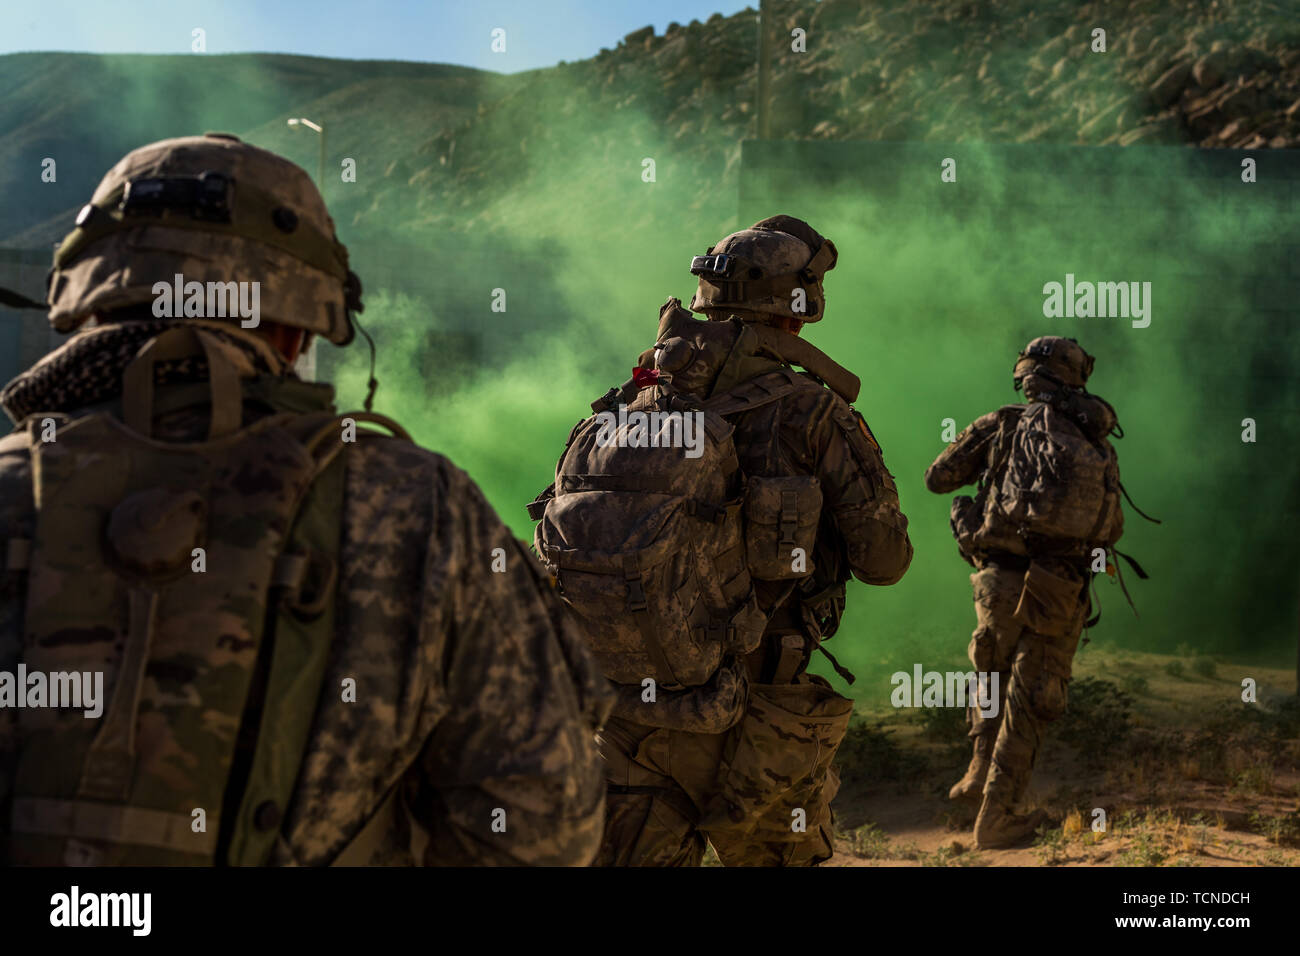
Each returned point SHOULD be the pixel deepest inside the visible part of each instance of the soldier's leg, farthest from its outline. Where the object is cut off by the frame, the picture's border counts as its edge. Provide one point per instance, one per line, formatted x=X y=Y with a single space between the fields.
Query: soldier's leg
x=649 y=819
x=1053 y=607
x=772 y=806
x=992 y=646
x=781 y=838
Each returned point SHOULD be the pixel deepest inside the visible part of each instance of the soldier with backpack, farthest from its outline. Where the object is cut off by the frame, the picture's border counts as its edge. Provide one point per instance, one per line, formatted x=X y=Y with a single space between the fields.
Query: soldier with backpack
x=701 y=526
x=1044 y=519
x=318 y=644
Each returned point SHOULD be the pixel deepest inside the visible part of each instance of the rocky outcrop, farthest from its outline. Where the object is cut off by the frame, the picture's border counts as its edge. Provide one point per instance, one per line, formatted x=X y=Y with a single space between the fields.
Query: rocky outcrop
x=1227 y=74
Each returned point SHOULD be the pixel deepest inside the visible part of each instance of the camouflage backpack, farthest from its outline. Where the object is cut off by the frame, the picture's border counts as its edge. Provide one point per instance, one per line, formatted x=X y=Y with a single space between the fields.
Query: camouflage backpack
x=656 y=546
x=1056 y=480
x=199 y=580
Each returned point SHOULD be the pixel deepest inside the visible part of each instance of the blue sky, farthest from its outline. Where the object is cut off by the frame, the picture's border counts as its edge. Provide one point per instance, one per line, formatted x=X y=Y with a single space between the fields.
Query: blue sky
x=538 y=32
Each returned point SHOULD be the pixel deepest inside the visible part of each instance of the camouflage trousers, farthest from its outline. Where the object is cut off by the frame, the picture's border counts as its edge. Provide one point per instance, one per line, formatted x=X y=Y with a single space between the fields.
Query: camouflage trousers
x=760 y=793
x=1028 y=626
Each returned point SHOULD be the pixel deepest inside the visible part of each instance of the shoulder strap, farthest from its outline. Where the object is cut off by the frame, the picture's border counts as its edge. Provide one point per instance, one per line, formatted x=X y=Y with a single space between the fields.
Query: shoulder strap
x=297 y=646
x=1001 y=450
x=756 y=392
x=803 y=353
x=1124 y=491
x=178 y=341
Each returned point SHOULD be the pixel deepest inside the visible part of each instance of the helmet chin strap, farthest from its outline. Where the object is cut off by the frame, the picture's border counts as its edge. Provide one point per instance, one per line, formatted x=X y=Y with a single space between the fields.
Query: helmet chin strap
x=373 y=384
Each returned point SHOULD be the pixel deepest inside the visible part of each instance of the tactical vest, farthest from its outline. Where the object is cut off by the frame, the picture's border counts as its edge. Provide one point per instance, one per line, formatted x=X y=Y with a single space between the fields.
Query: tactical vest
x=200 y=579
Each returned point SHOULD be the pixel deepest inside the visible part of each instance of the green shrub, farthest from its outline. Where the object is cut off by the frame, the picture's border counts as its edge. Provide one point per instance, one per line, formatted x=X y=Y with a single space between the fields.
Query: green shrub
x=1097 y=721
x=870 y=753
x=1134 y=684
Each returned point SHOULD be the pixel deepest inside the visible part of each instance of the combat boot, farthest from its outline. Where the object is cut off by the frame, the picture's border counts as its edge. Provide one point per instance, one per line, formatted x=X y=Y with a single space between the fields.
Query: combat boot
x=970 y=788
x=998 y=825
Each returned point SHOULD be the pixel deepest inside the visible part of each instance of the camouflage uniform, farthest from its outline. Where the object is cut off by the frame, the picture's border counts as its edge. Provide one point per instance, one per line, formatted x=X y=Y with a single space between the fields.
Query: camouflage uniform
x=1033 y=667
x=475 y=704
x=1030 y=609
x=672 y=790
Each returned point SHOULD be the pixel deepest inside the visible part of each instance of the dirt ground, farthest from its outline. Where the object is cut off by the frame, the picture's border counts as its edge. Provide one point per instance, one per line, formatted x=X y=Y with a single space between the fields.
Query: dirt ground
x=1185 y=771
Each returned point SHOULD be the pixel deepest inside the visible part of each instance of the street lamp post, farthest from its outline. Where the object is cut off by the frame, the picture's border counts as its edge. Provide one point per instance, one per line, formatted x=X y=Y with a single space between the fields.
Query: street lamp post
x=306 y=364
x=763 y=114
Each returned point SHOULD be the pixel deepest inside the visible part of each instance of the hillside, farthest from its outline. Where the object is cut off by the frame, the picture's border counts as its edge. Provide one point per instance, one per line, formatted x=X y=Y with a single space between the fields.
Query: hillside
x=86 y=111
x=536 y=185
x=438 y=147
x=1225 y=74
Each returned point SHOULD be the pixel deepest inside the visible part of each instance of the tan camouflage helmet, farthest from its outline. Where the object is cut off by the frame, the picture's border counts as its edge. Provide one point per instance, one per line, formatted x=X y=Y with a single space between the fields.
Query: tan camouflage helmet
x=758 y=269
x=1057 y=359
x=213 y=210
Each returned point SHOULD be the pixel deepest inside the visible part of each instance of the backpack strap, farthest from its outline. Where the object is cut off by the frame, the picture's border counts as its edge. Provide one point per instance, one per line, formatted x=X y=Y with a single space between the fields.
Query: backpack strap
x=1093 y=602
x=537 y=507
x=106 y=772
x=643 y=484
x=803 y=353
x=1001 y=450
x=1119 y=574
x=141 y=826
x=296 y=649
x=177 y=342
x=637 y=606
x=756 y=392
x=848 y=675
x=1138 y=510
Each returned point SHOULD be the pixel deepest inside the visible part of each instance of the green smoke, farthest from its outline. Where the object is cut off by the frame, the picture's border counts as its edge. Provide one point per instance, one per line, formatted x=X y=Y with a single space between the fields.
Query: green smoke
x=534 y=184
x=939 y=286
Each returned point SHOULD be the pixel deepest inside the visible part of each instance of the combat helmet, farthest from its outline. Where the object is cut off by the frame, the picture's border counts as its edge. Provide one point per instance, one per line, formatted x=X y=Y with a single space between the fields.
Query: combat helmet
x=212 y=209
x=758 y=269
x=1059 y=360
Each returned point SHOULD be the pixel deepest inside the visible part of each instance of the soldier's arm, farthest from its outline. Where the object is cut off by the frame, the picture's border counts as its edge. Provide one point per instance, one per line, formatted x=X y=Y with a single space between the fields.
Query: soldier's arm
x=512 y=763
x=963 y=461
x=860 y=493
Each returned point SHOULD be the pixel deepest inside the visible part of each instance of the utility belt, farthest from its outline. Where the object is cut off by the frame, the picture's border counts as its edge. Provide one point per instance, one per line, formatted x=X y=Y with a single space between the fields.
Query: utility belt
x=1002 y=560
x=1010 y=561
x=796 y=627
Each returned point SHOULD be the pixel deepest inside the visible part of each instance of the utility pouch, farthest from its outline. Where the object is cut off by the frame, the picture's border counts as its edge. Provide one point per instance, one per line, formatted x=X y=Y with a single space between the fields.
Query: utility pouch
x=781 y=516
x=778 y=761
x=1049 y=603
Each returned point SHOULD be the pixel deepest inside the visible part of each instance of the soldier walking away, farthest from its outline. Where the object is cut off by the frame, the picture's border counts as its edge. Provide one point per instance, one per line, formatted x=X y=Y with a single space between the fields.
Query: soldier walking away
x=702 y=525
x=317 y=643
x=1045 y=518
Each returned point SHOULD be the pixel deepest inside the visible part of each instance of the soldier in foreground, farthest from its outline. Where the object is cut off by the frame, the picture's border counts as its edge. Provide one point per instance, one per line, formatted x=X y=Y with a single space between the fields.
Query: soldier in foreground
x=1046 y=513
x=318 y=644
x=706 y=571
